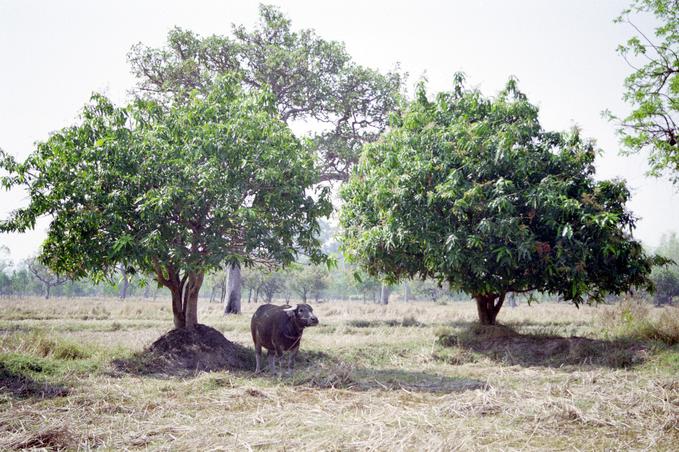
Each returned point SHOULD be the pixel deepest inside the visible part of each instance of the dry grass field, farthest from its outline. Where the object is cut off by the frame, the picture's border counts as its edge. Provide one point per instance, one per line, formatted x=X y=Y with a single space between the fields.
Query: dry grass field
x=417 y=376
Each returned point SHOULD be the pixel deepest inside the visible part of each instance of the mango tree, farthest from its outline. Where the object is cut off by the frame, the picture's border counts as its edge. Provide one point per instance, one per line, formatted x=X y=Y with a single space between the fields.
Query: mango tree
x=473 y=192
x=313 y=80
x=174 y=192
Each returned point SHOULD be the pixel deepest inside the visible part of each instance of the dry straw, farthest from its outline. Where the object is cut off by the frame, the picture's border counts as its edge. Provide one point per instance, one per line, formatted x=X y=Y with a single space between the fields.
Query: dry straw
x=366 y=380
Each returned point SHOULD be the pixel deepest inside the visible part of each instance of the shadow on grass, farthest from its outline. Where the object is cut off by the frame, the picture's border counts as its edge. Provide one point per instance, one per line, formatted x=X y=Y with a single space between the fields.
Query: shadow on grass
x=22 y=386
x=507 y=346
x=406 y=322
x=320 y=370
x=345 y=376
x=206 y=350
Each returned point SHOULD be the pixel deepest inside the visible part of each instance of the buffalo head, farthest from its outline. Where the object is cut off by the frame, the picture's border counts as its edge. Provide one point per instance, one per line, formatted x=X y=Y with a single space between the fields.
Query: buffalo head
x=303 y=313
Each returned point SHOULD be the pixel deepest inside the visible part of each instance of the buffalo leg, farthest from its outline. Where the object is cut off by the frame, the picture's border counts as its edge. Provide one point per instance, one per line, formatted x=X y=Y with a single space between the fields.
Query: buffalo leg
x=279 y=357
x=258 y=358
x=272 y=361
x=292 y=354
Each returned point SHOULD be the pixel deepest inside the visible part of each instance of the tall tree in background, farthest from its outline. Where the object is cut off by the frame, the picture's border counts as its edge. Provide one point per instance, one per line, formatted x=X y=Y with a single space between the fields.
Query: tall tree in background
x=472 y=191
x=666 y=278
x=385 y=293
x=124 y=281
x=313 y=81
x=172 y=192
x=652 y=90
x=5 y=264
x=5 y=261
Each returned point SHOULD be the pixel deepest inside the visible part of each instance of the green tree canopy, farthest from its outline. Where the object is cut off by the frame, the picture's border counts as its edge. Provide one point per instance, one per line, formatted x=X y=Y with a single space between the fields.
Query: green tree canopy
x=652 y=89
x=472 y=191
x=172 y=192
x=312 y=79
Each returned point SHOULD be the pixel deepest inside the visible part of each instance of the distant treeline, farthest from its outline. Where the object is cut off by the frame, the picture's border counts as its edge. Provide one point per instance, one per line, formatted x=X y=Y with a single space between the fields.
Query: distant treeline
x=298 y=282
x=301 y=281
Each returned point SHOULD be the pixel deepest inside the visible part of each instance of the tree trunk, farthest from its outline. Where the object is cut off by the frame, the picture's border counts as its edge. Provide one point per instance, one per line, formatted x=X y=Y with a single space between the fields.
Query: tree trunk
x=125 y=284
x=488 y=308
x=249 y=295
x=384 y=295
x=233 y=290
x=191 y=292
x=303 y=296
x=48 y=289
x=256 y=295
x=177 y=307
x=406 y=292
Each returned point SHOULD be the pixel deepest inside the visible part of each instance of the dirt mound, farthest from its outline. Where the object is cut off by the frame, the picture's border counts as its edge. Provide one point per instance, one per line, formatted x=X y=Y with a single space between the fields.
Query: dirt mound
x=503 y=344
x=178 y=351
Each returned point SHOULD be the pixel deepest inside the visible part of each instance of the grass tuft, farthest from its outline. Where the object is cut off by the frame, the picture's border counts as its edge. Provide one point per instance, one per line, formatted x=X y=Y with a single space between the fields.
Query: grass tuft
x=47 y=345
x=328 y=375
x=638 y=320
x=20 y=364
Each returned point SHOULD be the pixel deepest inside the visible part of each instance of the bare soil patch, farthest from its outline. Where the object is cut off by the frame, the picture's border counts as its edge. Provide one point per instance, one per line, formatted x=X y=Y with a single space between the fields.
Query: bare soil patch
x=180 y=351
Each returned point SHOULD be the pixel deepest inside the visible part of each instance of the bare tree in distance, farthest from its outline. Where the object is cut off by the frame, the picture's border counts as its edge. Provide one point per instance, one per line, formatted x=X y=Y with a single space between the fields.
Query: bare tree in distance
x=48 y=278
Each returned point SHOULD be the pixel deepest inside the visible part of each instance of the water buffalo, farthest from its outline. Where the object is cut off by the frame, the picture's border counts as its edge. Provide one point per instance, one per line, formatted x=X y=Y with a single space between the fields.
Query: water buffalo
x=279 y=329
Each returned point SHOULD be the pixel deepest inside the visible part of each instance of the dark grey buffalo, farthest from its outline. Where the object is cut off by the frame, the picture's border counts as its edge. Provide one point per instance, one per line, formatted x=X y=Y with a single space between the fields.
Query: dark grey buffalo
x=279 y=329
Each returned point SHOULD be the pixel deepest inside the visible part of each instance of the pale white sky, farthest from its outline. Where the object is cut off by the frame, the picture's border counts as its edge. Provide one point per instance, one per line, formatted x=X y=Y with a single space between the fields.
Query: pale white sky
x=55 y=54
